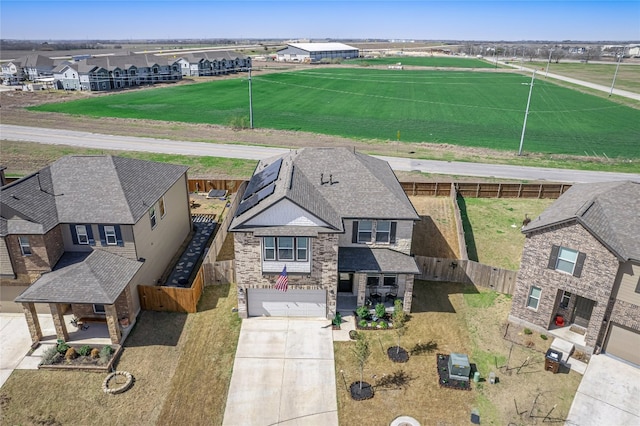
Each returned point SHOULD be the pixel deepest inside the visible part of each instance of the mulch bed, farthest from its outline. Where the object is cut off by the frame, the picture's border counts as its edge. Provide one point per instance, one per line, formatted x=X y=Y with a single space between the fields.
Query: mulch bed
x=443 y=375
x=398 y=354
x=361 y=394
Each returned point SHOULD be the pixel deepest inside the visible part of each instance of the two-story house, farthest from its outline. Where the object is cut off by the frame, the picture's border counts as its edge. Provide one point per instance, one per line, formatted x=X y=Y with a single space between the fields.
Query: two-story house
x=580 y=269
x=30 y=67
x=84 y=232
x=337 y=220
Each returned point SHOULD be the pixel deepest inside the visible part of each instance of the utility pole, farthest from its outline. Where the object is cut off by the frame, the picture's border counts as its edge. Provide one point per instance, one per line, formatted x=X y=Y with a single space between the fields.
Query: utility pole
x=548 y=62
x=616 y=73
x=250 y=102
x=526 y=114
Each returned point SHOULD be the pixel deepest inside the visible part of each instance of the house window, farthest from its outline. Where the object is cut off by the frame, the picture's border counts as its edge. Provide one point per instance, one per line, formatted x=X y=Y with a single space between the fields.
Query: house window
x=110 y=235
x=83 y=236
x=534 y=297
x=302 y=250
x=161 y=207
x=566 y=260
x=566 y=298
x=383 y=230
x=390 y=281
x=373 y=280
x=25 y=247
x=365 y=230
x=152 y=217
x=286 y=248
x=99 y=309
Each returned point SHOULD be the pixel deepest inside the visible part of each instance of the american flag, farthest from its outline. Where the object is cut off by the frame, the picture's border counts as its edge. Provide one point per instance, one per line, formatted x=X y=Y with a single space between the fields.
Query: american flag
x=283 y=280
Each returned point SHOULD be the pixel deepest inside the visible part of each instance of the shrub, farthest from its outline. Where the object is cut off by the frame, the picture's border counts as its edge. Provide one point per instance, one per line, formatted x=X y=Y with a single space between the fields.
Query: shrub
x=105 y=354
x=337 y=320
x=71 y=354
x=362 y=312
x=84 y=350
x=380 y=310
x=50 y=356
x=373 y=324
x=353 y=334
x=63 y=348
x=362 y=323
x=95 y=353
x=239 y=122
x=527 y=331
x=384 y=324
x=543 y=337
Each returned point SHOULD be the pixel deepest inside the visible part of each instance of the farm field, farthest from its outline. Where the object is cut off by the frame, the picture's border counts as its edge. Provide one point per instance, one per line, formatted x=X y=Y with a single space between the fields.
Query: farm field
x=482 y=110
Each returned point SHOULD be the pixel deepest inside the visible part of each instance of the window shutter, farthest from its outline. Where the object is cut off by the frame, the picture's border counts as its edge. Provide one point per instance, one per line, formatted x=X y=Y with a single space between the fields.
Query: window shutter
x=392 y=235
x=577 y=271
x=92 y=242
x=354 y=235
x=74 y=234
x=103 y=240
x=553 y=258
x=119 y=236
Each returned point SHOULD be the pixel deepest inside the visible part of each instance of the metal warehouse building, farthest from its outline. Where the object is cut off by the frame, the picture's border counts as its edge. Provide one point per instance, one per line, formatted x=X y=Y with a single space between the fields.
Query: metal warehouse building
x=314 y=52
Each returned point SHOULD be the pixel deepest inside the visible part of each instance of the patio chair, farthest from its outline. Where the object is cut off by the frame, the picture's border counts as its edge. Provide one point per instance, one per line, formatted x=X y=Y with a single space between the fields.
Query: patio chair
x=375 y=297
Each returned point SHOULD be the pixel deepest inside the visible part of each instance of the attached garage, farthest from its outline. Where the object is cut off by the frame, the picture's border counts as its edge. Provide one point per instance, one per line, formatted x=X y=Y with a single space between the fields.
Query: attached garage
x=624 y=343
x=291 y=303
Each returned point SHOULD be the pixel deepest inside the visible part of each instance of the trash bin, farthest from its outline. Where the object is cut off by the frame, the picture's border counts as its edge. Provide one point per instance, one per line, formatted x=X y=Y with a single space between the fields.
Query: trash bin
x=476 y=376
x=492 y=378
x=552 y=361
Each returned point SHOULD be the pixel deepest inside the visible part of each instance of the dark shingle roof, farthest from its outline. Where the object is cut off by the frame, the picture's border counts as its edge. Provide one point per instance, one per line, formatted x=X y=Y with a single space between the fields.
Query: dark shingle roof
x=363 y=259
x=85 y=189
x=609 y=210
x=97 y=277
x=334 y=184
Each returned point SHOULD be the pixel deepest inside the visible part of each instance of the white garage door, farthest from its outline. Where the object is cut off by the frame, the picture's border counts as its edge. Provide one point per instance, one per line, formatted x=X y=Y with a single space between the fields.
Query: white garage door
x=291 y=303
x=624 y=343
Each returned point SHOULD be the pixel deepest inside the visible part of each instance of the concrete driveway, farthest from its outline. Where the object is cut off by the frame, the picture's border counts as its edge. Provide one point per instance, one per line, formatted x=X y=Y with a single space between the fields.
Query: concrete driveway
x=608 y=394
x=283 y=374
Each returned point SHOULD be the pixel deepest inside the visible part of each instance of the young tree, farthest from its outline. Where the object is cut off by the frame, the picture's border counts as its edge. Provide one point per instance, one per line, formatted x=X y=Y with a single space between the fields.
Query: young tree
x=399 y=321
x=362 y=352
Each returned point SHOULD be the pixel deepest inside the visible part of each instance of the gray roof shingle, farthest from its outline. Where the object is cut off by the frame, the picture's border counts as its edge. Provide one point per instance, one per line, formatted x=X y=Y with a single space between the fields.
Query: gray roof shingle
x=334 y=184
x=609 y=210
x=364 y=259
x=85 y=189
x=97 y=277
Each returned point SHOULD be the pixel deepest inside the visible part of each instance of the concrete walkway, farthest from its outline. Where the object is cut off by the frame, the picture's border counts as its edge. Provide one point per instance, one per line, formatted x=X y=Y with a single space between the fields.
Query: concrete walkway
x=283 y=374
x=608 y=394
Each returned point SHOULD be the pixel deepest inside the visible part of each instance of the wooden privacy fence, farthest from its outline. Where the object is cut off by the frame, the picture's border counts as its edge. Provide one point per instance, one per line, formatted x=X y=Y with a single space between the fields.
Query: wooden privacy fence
x=206 y=185
x=172 y=299
x=466 y=272
x=486 y=190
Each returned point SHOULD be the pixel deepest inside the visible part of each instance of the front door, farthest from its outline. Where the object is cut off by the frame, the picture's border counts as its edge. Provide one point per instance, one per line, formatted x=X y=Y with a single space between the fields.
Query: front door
x=582 y=311
x=345 y=285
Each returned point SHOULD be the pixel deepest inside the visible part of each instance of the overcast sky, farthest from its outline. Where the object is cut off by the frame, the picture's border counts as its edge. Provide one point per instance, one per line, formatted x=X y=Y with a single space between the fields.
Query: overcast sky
x=421 y=20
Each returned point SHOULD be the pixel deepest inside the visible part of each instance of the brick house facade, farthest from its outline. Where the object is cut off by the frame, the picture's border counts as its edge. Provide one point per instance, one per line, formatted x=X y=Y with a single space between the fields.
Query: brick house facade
x=580 y=268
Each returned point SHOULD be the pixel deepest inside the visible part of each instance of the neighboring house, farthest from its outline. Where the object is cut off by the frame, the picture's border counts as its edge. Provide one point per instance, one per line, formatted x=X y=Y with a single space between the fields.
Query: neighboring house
x=315 y=52
x=201 y=64
x=67 y=77
x=31 y=67
x=340 y=223
x=84 y=232
x=581 y=260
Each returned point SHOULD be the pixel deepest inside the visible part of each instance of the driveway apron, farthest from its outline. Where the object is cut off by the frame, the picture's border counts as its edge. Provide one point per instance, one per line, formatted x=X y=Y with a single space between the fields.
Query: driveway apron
x=283 y=374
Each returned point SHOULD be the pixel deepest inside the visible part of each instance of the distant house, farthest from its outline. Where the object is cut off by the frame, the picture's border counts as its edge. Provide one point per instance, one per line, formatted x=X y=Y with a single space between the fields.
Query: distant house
x=580 y=269
x=84 y=232
x=340 y=224
x=67 y=77
x=30 y=67
x=201 y=64
x=315 y=52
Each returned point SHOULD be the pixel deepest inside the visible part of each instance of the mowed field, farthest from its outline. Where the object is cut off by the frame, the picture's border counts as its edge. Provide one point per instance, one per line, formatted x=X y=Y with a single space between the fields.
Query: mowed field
x=477 y=109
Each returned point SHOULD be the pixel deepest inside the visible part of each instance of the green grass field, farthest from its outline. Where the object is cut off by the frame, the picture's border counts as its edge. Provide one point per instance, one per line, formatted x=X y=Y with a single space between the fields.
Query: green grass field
x=426 y=61
x=462 y=108
x=628 y=77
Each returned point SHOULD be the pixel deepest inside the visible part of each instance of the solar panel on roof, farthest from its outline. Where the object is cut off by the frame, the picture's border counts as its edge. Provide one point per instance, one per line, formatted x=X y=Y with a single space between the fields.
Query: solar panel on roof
x=263 y=178
x=254 y=199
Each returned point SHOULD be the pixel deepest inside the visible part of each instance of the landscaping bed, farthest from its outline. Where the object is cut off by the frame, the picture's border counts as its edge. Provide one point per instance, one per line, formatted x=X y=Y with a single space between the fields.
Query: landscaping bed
x=97 y=358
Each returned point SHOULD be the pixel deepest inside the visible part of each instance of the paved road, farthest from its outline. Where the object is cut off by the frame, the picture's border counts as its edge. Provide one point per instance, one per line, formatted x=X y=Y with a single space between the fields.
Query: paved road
x=128 y=143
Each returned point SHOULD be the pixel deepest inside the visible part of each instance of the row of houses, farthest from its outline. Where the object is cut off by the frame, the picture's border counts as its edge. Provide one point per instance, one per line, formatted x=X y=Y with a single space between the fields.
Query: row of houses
x=121 y=71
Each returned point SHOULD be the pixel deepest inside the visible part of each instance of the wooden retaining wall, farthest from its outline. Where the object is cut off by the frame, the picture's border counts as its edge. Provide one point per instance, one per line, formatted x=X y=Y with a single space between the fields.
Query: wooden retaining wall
x=466 y=272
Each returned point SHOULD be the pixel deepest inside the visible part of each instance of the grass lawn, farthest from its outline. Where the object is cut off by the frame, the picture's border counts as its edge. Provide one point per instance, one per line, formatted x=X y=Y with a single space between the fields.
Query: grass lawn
x=181 y=363
x=449 y=318
x=474 y=109
x=490 y=233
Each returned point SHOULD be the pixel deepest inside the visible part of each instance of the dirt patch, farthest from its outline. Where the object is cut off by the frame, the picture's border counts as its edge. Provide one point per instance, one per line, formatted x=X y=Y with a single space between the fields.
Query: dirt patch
x=435 y=235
